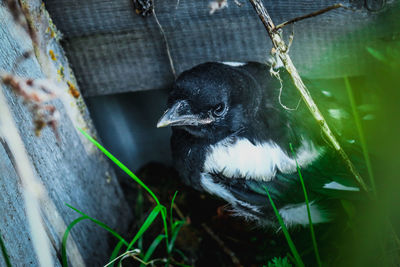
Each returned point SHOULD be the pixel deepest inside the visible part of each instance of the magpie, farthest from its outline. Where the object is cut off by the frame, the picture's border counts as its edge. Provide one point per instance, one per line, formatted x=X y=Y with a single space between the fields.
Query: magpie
x=232 y=128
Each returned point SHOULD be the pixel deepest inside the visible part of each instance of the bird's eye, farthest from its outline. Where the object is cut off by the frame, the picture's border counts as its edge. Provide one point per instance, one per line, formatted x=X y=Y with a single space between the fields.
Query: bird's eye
x=219 y=109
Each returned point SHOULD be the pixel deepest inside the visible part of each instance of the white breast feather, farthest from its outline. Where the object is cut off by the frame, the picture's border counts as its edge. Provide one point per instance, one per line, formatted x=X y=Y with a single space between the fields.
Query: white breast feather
x=233 y=64
x=337 y=186
x=259 y=162
x=297 y=214
x=217 y=189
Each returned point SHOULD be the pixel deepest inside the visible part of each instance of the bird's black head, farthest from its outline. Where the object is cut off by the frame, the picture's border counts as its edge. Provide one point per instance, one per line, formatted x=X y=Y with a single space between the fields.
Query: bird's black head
x=212 y=99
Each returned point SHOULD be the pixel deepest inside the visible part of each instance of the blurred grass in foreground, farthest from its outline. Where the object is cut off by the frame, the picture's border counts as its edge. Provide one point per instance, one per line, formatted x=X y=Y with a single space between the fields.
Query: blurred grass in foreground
x=372 y=235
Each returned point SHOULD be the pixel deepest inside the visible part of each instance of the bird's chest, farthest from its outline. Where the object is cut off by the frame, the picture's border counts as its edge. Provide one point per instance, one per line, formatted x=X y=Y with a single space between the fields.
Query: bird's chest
x=240 y=158
x=237 y=157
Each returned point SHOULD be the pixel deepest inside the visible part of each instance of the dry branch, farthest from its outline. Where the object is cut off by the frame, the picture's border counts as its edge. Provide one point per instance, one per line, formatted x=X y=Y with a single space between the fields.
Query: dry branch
x=221 y=243
x=313 y=14
x=281 y=50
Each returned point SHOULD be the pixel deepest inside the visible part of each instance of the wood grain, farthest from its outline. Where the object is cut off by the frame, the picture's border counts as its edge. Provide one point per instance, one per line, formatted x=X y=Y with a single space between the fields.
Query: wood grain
x=112 y=49
x=71 y=172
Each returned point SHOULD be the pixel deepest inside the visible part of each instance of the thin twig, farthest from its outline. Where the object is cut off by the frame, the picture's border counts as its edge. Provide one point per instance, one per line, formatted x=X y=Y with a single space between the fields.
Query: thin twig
x=239 y=4
x=179 y=212
x=133 y=254
x=171 y=62
x=281 y=49
x=313 y=14
x=221 y=243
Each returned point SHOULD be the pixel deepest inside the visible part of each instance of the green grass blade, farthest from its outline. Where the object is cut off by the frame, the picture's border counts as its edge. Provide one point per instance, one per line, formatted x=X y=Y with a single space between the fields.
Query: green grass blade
x=180 y=253
x=290 y=257
x=139 y=204
x=360 y=134
x=119 y=164
x=164 y=218
x=152 y=248
x=377 y=54
x=149 y=220
x=133 y=176
x=177 y=227
x=65 y=238
x=292 y=247
x=116 y=251
x=101 y=224
x=170 y=212
x=4 y=252
x=314 y=240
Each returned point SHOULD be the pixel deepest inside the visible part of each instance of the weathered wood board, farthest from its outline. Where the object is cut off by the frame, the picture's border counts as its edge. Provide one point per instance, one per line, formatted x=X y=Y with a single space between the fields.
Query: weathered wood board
x=72 y=171
x=112 y=49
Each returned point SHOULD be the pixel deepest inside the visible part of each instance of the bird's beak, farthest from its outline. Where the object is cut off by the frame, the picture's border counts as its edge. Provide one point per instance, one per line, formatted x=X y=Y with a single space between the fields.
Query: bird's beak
x=180 y=114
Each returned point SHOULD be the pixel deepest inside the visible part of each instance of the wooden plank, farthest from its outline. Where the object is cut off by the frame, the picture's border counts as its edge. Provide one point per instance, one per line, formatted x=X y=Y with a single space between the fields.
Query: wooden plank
x=13 y=221
x=112 y=49
x=71 y=171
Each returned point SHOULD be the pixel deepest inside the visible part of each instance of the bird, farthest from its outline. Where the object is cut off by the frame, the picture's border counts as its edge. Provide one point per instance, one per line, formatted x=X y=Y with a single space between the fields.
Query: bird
x=239 y=134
